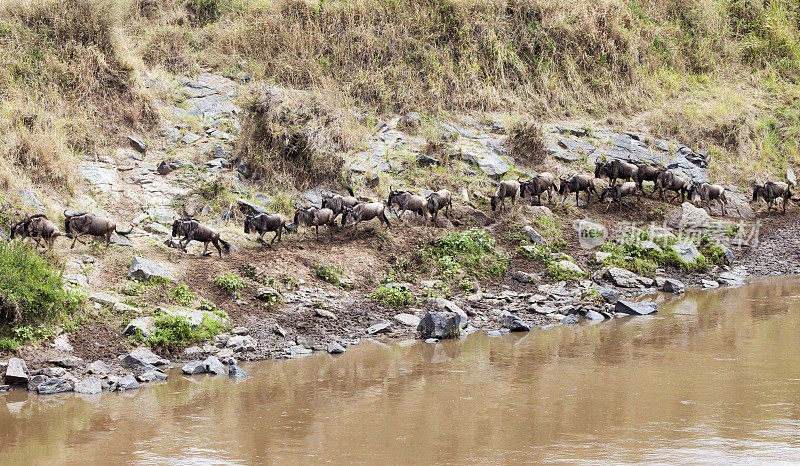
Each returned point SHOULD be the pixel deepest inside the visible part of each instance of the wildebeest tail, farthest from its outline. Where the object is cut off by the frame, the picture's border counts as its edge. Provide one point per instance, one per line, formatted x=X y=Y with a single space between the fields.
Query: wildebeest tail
x=68 y=225
x=124 y=233
x=349 y=190
x=225 y=245
x=386 y=219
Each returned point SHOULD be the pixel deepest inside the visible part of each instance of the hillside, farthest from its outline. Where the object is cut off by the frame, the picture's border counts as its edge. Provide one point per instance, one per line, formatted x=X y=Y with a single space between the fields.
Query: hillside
x=148 y=110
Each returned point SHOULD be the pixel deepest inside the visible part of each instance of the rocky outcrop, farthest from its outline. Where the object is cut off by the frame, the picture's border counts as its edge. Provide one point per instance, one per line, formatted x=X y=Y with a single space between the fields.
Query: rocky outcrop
x=673 y=286
x=688 y=217
x=514 y=323
x=636 y=308
x=16 y=372
x=440 y=325
x=625 y=278
x=686 y=251
x=145 y=270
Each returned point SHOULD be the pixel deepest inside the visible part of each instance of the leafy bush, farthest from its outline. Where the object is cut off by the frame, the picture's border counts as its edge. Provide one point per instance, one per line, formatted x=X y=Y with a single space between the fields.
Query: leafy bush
x=173 y=331
x=393 y=295
x=229 y=283
x=469 y=253
x=183 y=295
x=29 y=284
x=329 y=273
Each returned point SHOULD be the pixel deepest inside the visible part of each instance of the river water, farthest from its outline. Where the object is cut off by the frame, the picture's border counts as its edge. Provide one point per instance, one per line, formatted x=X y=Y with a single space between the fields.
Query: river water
x=713 y=378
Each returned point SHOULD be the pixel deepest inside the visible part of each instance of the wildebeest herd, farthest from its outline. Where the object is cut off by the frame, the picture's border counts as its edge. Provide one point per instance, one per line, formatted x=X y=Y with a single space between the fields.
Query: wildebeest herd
x=631 y=175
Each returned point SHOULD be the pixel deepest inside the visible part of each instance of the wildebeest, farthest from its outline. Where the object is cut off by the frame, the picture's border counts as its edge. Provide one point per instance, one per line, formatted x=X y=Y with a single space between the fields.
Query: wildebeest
x=617 y=192
x=615 y=170
x=646 y=172
x=506 y=188
x=538 y=185
x=192 y=230
x=576 y=184
x=406 y=200
x=709 y=192
x=313 y=216
x=441 y=199
x=770 y=191
x=82 y=223
x=363 y=212
x=38 y=227
x=669 y=181
x=262 y=223
x=338 y=203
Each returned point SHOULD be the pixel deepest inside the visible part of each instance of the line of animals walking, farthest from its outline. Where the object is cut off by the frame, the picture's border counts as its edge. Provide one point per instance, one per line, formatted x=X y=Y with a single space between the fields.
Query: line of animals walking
x=632 y=176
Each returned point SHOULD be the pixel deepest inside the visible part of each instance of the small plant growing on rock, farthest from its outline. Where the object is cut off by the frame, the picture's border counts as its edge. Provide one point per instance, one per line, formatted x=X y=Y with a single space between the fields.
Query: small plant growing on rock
x=393 y=295
x=230 y=283
x=526 y=142
x=176 y=330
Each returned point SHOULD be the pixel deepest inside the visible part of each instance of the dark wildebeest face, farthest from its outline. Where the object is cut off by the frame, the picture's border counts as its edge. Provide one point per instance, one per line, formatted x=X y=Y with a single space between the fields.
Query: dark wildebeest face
x=562 y=189
x=494 y=203
x=757 y=191
x=247 y=224
x=599 y=169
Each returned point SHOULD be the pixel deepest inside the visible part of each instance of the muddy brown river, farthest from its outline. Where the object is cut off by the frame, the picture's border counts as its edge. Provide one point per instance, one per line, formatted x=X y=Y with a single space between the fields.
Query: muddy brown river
x=713 y=378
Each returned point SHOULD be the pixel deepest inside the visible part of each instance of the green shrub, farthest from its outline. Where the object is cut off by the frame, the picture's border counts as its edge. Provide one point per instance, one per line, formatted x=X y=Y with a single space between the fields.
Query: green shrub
x=393 y=295
x=229 y=283
x=329 y=273
x=29 y=281
x=183 y=295
x=469 y=253
x=173 y=331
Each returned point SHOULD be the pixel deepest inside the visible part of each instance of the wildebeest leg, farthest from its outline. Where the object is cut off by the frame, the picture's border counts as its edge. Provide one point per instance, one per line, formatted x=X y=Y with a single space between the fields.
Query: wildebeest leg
x=577 y=193
x=75 y=238
x=277 y=236
x=317 y=231
x=205 y=249
x=216 y=245
x=108 y=238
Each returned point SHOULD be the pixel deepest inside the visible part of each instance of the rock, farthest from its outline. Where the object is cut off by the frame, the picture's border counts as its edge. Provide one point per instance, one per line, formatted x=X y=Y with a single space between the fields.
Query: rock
x=103 y=298
x=190 y=138
x=240 y=331
x=98 y=368
x=489 y=163
x=35 y=381
x=440 y=304
x=494 y=333
x=124 y=308
x=410 y=120
x=268 y=294
x=54 y=372
x=673 y=286
x=249 y=207
x=89 y=386
x=533 y=236
x=325 y=314
x=636 y=308
x=244 y=169
x=409 y=320
x=144 y=326
x=565 y=129
x=297 y=350
x=625 y=278
x=149 y=373
x=515 y=323
x=138 y=144
x=214 y=366
x=382 y=326
x=439 y=325
x=709 y=283
x=61 y=343
x=67 y=361
x=124 y=384
x=480 y=218
x=143 y=357
x=600 y=257
x=164 y=168
x=277 y=329
x=687 y=216
x=194 y=368
x=523 y=277
x=241 y=343
x=790 y=177
x=569 y=266
x=335 y=348
x=686 y=251
x=730 y=279
x=571 y=319
x=53 y=386
x=237 y=372
x=144 y=270
x=593 y=315
x=424 y=160
x=610 y=296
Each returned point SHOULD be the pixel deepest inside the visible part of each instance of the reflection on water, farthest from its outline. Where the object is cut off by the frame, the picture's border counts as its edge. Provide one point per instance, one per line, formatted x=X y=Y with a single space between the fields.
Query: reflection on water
x=714 y=377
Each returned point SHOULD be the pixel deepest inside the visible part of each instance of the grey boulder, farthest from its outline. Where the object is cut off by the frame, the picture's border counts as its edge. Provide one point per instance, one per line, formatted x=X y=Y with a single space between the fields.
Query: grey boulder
x=53 y=386
x=89 y=386
x=144 y=270
x=636 y=308
x=439 y=325
x=194 y=368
